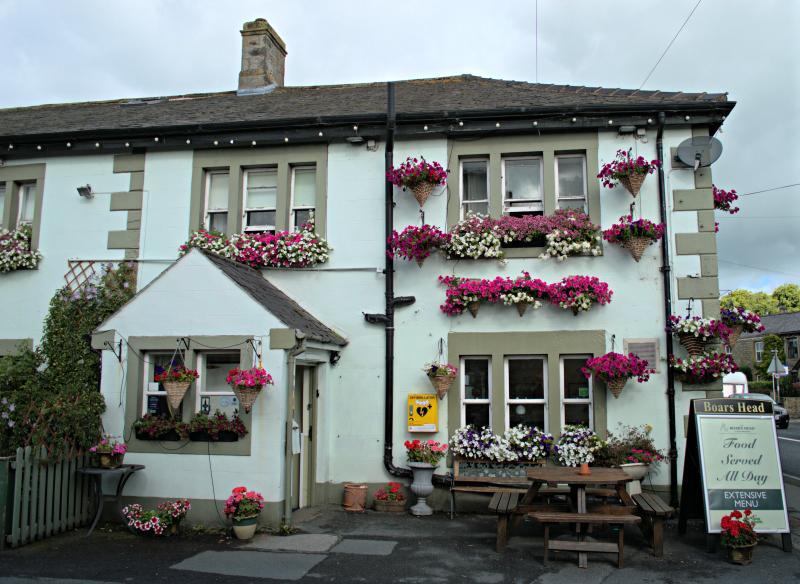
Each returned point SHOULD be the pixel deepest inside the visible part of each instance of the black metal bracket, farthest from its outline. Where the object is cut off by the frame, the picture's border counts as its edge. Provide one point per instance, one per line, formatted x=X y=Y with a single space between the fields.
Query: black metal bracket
x=333 y=359
x=185 y=341
x=373 y=318
x=116 y=350
x=252 y=343
x=403 y=300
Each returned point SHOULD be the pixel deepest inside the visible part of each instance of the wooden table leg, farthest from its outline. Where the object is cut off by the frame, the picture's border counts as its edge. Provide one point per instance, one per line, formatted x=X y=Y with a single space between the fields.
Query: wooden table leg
x=502 y=532
x=527 y=499
x=580 y=493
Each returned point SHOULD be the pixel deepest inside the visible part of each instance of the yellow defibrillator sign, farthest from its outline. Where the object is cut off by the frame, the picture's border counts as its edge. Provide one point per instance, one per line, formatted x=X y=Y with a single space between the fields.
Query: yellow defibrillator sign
x=423 y=413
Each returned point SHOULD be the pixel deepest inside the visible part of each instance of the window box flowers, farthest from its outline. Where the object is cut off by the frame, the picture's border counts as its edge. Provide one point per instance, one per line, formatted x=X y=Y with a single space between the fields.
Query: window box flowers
x=247 y=384
x=635 y=236
x=528 y=443
x=176 y=380
x=615 y=369
x=16 y=251
x=702 y=369
x=108 y=453
x=474 y=237
x=441 y=376
x=696 y=333
x=518 y=444
x=419 y=176
x=216 y=428
x=390 y=499
x=244 y=507
x=628 y=171
x=739 y=321
x=524 y=292
x=576 y=447
x=417 y=243
x=579 y=293
x=153 y=427
x=162 y=521
x=739 y=536
x=423 y=458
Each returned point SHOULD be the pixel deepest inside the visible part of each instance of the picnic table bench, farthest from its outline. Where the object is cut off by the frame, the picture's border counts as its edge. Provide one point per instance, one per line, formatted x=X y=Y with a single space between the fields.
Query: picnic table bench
x=653 y=510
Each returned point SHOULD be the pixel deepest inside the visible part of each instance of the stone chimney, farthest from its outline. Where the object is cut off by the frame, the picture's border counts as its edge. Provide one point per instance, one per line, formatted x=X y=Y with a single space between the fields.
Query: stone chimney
x=263 y=57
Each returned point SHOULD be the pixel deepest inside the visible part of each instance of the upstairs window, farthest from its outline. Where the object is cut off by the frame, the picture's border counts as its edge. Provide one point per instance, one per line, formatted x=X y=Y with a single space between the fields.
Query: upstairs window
x=476 y=391
x=474 y=187
x=526 y=392
x=571 y=181
x=791 y=348
x=217 y=191
x=759 y=346
x=260 y=200
x=27 y=203
x=522 y=186
x=304 y=195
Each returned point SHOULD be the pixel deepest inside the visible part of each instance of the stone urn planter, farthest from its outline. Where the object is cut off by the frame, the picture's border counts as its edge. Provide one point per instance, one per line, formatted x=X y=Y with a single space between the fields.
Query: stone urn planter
x=245 y=527
x=422 y=487
x=637 y=471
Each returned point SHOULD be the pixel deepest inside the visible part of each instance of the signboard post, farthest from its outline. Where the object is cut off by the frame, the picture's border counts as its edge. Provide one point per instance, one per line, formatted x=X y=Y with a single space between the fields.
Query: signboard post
x=732 y=463
x=423 y=413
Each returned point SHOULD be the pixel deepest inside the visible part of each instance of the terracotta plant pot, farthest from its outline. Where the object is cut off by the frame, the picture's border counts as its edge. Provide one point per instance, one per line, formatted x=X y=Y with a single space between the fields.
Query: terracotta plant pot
x=421 y=192
x=741 y=555
x=441 y=383
x=355 y=497
x=637 y=246
x=584 y=469
x=245 y=527
x=108 y=460
x=615 y=386
x=632 y=183
x=390 y=506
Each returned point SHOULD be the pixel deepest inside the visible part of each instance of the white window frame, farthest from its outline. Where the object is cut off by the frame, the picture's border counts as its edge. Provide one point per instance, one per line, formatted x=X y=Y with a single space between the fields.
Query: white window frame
x=574 y=401
x=532 y=206
x=585 y=197
x=246 y=209
x=462 y=202
x=462 y=382
x=200 y=383
x=28 y=188
x=208 y=212
x=758 y=347
x=507 y=391
x=313 y=208
x=147 y=378
x=796 y=347
x=4 y=198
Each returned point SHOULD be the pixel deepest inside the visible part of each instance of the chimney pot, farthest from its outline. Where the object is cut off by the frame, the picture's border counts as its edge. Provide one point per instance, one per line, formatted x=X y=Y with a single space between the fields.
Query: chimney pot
x=263 y=57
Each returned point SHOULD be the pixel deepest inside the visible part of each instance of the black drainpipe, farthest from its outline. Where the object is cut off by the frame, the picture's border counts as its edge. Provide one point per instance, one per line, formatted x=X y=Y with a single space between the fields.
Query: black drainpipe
x=666 y=272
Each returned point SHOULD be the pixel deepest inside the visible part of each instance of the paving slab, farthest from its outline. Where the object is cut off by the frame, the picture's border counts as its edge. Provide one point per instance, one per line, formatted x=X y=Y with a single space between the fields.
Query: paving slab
x=303 y=543
x=365 y=547
x=276 y=566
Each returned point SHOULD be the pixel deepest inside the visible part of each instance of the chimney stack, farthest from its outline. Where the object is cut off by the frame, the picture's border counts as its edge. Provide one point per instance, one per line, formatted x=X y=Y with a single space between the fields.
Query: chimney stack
x=263 y=57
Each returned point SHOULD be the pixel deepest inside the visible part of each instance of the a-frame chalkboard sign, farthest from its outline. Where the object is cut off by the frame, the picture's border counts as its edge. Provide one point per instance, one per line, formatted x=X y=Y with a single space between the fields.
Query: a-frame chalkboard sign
x=732 y=462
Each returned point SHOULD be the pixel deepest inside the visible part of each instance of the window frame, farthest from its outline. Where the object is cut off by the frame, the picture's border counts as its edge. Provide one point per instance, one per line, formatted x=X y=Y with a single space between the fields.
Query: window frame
x=245 y=209
x=292 y=207
x=462 y=182
x=757 y=350
x=585 y=197
x=148 y=374
x=25 y=189
x=206 y=211
x=507 y=390
x=462 y=388
x=508 y=210
x=788 y=346
x=200 y=362
x=574 y=401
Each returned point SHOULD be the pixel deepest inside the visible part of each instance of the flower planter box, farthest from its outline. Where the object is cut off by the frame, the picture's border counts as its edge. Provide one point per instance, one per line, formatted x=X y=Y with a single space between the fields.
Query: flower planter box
x=390 y=506
x=540 y=241
x=223 y=436
x=171 y=436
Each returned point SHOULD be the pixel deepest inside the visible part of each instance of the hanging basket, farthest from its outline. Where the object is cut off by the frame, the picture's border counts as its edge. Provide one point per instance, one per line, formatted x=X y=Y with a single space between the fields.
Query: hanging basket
x=175 y=392
x=632 y=182
x=736 y=332
x=246 y=395
x=575 y=311
x=694 y=345
x=637 y=246
x=421 y=192
x=615 y=386
x=522 y=307
x=473 y=308
x=420 y=262
x=441 y=383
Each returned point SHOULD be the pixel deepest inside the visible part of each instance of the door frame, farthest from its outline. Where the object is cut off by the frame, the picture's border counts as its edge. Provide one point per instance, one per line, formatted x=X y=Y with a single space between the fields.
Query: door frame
x=308 y=450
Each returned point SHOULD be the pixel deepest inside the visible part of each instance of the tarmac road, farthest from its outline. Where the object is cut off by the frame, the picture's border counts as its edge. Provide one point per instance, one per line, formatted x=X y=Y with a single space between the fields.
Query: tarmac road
x=789 y=448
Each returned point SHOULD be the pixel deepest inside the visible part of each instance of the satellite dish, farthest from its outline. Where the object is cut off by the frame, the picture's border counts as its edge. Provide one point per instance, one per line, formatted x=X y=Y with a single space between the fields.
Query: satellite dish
x=699 y=151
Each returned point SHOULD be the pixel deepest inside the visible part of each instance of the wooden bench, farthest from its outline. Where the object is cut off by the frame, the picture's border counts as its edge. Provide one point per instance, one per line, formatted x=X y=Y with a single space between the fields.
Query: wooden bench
x=548 y=518
x=503 y=504
x=653 y=510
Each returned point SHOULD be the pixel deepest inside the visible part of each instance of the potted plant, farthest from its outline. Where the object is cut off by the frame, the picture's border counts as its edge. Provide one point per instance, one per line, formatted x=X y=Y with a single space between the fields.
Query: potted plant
x=628 y=171
x=579 y=293
x=634 y=451
x=423 y=458
x=441 y=376
x=417 y=243
x=739 y=321
x=244 y=507
x=576 y=447
x=162 y=521
x=528 y=443
x=390 y=499
x=696 y=333
x=247 y=384
x=16 y=251
x=481 y=444
x=739 y=536
x=216 y=428
x=702 y=369
x=176 y=380
x=108 y=453
x=419 y=176
x=524 y=292
x=474 y=237
x=153 y=427
x=615 y=369
x=635 y=236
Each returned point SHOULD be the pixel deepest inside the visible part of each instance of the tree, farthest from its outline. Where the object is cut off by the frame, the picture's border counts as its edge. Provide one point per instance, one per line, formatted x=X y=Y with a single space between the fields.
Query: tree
x=787 y=296
x=759 y=302
x=771 y=342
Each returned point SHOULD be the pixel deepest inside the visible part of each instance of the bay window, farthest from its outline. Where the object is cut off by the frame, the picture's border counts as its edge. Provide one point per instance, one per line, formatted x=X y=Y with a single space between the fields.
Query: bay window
x=525 y=389
x=476 y=391
x=571 y=181
x=304 y=195
x=474 y=187
x=576 y=392
x=523 y=186
x=260 y=199
x=217 y=196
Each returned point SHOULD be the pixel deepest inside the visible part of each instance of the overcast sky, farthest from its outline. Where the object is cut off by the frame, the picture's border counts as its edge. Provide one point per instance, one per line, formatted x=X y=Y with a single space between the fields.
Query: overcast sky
x=55 y=51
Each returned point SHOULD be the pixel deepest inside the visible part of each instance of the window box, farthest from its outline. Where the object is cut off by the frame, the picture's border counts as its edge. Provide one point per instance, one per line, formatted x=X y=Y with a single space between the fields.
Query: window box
x=170 y=436
x=538 y=241
x=222 y=436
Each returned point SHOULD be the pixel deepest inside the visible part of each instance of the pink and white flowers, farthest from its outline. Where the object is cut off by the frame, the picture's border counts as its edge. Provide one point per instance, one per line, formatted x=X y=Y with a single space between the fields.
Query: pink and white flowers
x=417 y=243
x=256 y=377
x=243 y=503
x=579 y=293
x=701 y=369
x=16 y=251
x=415 y=171
x=703 y=328
x=626 y=229
x=109 y=445
x=617 y=366
x=428 y=451
x=737 y=316
x=625 y=165
x=160 y=521
x=437 y=369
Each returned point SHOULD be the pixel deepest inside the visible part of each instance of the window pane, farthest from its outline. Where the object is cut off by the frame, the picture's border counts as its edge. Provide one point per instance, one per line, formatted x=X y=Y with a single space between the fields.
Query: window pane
x=526 y=379
x=576 y=386
x=218 y=222
x=262 y=189
x=227 y=404
x=528 y=414
x=522 y=179
x=476 y=379
x=474 y=180
x=476 y=414
x=218 y=190
x=305 y=187
x=576 y=414
x=260 y=218
x=571 y=204
x=479 y=208
x=302 y=216
x=156 y=364
x=27 y=198
x=217 y=366
x=2 y=200
x=570 y=177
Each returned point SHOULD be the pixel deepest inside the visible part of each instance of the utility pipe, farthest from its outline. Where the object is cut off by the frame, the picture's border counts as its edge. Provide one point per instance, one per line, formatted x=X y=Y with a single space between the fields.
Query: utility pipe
x=291 y=355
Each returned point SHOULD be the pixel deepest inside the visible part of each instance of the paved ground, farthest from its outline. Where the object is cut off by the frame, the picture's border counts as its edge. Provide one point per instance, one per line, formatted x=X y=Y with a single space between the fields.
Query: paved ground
x=789 y=447
x=337 y=547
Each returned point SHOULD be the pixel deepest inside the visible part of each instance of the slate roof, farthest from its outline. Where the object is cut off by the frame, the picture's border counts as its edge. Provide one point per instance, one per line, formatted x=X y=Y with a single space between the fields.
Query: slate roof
x=778 y=324
x=457 y=94
x=275 y=301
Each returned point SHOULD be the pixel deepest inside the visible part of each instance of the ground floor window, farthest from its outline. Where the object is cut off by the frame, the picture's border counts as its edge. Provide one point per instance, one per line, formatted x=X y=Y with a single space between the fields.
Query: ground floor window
x=213 y=393
x=155 y=398
x=476 y=391
x=525 y=390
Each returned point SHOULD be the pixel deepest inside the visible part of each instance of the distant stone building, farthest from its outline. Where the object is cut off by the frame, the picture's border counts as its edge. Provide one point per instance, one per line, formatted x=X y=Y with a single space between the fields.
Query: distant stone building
x=750 y=348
